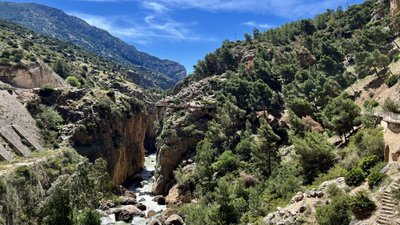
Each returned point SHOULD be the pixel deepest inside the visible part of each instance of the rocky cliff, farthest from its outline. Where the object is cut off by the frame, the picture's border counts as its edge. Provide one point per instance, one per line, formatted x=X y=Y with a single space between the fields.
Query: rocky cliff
x=100 y=125
x=29 y=75
x=183 y=122
x=394 y=6
x=118 y=142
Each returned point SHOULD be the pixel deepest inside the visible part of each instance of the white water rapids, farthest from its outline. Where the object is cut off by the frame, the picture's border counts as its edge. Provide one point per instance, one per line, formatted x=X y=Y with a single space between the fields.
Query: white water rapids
x=143 y=195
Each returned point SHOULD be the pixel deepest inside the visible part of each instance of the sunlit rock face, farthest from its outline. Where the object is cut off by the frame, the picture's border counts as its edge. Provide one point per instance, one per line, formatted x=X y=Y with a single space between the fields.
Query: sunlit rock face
x=394 y=6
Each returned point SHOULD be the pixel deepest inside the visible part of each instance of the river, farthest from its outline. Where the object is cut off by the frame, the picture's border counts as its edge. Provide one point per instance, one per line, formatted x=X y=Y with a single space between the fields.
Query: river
x=143 y=195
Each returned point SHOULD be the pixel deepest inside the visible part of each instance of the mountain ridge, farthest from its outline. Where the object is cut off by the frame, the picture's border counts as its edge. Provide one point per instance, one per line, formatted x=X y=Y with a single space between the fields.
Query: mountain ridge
x=56 y=23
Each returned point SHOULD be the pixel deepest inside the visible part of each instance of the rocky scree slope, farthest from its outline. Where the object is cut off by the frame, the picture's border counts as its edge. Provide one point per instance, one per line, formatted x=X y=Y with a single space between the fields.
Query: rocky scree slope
x=55 y=23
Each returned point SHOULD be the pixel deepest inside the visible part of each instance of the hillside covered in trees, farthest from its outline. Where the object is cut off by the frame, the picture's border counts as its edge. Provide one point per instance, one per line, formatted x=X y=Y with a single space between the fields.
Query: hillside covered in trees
x=293 y=125
x=281 y=103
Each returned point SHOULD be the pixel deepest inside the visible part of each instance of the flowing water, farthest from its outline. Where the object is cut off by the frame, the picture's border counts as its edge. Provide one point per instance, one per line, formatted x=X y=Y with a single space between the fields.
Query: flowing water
x=143 y=195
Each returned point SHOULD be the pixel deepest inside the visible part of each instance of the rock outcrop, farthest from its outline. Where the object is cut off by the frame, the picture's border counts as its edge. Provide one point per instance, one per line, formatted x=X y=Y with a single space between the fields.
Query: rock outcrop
x=99 y=126
x=183 y=127
x=394 y=7
x=119 y=142
x=33 y=75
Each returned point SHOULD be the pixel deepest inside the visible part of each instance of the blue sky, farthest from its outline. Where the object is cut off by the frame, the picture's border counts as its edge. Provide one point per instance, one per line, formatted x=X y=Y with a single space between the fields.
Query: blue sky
x=185 y=30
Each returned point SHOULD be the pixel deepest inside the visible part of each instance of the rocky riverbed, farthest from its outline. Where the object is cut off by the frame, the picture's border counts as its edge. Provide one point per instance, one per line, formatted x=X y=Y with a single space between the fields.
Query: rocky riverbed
x=137 y=202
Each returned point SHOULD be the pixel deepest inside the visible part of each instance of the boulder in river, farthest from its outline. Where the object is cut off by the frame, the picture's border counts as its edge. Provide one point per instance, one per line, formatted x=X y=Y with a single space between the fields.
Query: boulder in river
x=174 y=219
x=128 y=201
x=155 y=222
x=127 y=213
x=151 y=213
x=160 y=199
x=141 y=206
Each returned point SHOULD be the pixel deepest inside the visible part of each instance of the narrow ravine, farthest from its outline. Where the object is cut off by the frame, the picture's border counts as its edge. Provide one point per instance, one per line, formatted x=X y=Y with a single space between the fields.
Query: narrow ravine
x=143 y=196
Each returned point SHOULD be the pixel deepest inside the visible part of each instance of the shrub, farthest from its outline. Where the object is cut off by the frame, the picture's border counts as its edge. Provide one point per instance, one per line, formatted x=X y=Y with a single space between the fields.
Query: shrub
x=316 y=154
x=73 y=81
x=335 y=213
x=371 y=103
x=61 y=68
x=376 y=177
x=369 y=142
x=361 y=205
x=3 y=188
x=391 y=106
x=227 y=161
x=17 y=55
x=89 y=217
x=46 y=91
x=354 y=177
x=368 y=163
x=49 y=118
x=25 y=175
x=333 y=173
x=392 y=80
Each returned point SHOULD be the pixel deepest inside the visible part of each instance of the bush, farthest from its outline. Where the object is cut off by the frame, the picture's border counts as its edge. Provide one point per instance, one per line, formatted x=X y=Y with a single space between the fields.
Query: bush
x=61 y=68
x=46 y=91
x=89 y=217
x=3 y=188
x=371 y=103
x=392 y=80
x=368 y=163
x=376 y=177
x=391 y=106
x=361 y=205
x=73 y=81
x=354 y=177
x=336 y=212
x=369 y=142
x=49 y=119
x=333 y=173
x=316 y=154
x=227 y=161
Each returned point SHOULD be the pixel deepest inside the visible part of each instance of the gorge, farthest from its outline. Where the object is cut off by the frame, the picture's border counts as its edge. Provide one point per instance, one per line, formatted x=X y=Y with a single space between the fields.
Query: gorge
x=297 y=124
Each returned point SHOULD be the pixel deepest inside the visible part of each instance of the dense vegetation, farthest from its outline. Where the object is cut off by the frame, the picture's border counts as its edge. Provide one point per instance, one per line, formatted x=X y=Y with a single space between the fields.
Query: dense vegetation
x=296 y=73
x=64 y=190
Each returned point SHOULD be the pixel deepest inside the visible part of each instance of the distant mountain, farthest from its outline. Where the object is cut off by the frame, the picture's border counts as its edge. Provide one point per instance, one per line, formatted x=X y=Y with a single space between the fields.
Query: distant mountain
x=55 y=23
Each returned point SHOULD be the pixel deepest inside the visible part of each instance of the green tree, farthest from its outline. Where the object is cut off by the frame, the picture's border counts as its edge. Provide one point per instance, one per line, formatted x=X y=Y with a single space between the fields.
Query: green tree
x=369 y=142
x=61 y=68
x=267 y=151
x=340 y=115
x=73 y=81
x=226 y=162
x=361 y=205
x=316 y=154
x=57 y=207
x=89 y=217
x=335 y=213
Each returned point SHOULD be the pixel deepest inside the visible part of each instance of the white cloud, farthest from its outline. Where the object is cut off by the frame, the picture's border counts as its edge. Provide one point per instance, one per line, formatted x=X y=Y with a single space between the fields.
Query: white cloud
x=285 y=8
x=258 y=25
x=152 y=27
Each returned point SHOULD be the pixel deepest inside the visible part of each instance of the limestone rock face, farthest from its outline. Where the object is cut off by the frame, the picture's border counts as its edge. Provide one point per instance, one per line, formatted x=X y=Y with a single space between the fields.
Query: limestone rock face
x=183 y=123
x=117 y=137
x=394 y=6
x=180 y=138
x=118 y=142
x=34 y=75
